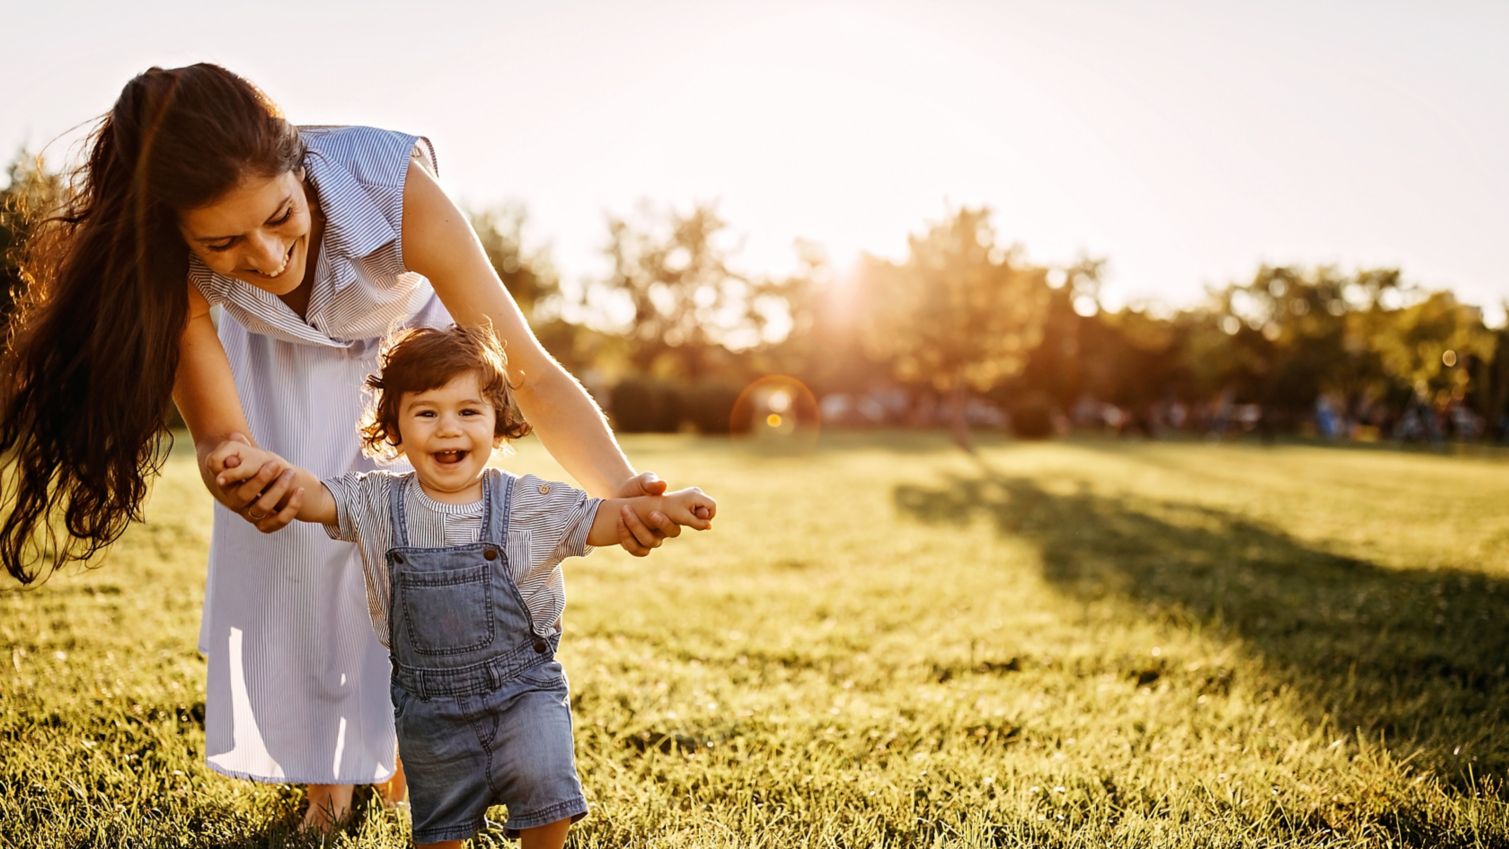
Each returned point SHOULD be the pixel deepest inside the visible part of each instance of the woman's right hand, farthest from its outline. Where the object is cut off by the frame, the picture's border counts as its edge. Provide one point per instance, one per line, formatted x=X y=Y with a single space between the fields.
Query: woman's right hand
x=264 y=495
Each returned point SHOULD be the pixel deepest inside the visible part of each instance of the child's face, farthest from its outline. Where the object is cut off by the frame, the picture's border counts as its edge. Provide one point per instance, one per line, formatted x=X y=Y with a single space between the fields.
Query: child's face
x=447 y=434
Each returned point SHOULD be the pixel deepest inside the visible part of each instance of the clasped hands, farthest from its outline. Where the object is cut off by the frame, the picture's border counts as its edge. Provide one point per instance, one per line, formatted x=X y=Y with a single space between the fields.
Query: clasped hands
x=269 y=500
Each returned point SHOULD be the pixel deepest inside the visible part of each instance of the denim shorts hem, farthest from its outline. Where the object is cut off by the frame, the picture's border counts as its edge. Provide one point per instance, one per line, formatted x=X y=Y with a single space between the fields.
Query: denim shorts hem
x=435 y=834
x=574 y=808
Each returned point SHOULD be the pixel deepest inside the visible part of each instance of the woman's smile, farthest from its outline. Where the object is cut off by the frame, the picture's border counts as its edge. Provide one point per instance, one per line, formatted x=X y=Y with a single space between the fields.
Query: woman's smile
x=287 y=258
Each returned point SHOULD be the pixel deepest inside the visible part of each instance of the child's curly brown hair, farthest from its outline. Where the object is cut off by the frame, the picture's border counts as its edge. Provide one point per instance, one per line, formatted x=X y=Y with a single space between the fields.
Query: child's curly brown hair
x=423 y=358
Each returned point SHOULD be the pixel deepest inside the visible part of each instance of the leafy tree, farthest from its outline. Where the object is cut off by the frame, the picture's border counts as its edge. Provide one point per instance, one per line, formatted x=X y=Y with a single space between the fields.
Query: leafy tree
x=826 y=312
x=684 y=304
x=1427 y=345
x=961 y=312
x=1491 y=384
x=31 y=194
x=1290 y=334
x=1057 y=368
x=531 y=278
x=528 y=274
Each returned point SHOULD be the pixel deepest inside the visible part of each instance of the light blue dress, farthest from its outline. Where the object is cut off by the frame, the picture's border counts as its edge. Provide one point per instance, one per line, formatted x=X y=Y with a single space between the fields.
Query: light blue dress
x=297 y=682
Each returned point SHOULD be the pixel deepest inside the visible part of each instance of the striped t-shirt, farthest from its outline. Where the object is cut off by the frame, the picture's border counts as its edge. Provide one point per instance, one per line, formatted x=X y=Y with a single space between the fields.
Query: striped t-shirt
x=547 y=522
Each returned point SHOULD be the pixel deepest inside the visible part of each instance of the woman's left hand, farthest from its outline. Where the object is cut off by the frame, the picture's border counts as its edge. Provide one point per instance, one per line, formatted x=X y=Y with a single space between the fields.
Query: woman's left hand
x=637 y=537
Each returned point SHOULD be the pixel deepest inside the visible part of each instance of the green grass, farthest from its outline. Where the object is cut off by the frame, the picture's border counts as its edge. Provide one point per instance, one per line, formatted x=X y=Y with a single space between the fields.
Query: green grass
x=886 y=642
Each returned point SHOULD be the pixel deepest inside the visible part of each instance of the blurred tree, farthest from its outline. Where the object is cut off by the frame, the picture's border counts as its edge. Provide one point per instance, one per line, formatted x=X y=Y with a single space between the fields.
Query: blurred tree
x=528 y=274
x=683 y=303
x=960 y=313
x=1491 y=384
x=31 y=195
x=1056 y=369
x=1291 y=334
x=531 y=278
x=1428 y=345
x=826 y=313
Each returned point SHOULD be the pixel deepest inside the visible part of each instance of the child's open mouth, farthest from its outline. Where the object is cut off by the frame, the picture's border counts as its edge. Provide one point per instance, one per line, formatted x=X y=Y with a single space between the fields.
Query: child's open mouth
x=449 y=458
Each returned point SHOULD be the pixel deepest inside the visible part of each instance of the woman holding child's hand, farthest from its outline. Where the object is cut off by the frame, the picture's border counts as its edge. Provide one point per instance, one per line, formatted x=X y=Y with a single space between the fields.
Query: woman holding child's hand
x=315 y=242
x=269 y=502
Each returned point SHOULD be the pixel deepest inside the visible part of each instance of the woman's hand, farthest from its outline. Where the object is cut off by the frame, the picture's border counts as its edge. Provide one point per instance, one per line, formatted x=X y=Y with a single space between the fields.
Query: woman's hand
x=637 y=537
x=264 y=495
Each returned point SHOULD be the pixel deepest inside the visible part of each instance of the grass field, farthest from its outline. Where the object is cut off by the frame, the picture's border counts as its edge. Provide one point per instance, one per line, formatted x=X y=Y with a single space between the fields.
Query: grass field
x=886 y=642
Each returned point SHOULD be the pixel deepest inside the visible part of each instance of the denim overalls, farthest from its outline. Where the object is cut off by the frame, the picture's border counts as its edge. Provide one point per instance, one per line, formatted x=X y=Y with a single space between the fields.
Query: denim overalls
x=480 y=703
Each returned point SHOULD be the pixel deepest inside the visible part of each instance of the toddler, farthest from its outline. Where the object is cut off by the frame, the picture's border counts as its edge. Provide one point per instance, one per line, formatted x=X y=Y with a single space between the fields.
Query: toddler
x=464 y=584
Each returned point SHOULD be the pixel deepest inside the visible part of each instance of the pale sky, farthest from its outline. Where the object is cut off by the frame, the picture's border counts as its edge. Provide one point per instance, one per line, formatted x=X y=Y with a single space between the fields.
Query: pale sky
x=1186 y=142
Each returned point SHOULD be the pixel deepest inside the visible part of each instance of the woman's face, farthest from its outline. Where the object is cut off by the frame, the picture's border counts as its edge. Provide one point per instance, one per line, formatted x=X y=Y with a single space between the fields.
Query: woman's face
x=257 y=232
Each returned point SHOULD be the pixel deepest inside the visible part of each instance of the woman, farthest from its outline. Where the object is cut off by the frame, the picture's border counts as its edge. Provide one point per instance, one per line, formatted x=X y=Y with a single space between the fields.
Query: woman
x=197 y=192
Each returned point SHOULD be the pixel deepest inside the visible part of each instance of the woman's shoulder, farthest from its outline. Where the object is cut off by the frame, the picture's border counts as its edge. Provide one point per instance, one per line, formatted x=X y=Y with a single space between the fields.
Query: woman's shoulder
x=371 y=155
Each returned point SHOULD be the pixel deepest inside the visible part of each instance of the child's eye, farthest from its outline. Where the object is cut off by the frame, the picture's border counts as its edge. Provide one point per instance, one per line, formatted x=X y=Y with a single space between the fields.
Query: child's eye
x=426 y=414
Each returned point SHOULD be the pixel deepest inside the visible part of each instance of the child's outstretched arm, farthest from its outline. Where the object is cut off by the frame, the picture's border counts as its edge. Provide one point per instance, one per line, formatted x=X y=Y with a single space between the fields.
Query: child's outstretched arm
x=689 y=507
x=311 y=501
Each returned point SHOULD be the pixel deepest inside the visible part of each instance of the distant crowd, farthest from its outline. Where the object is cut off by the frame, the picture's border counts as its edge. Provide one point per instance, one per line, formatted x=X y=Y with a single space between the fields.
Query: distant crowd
x=1332 y=417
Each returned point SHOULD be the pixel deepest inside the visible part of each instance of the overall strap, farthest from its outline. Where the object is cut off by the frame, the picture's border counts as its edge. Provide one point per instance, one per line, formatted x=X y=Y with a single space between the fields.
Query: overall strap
x=499 y=492
x=396 y=518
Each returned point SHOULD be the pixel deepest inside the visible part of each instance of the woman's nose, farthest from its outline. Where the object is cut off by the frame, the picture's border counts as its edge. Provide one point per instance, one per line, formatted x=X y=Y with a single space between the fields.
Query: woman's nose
x=265 y=253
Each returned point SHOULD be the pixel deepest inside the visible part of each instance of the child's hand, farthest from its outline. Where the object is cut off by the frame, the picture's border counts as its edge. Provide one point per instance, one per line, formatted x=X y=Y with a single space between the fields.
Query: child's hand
x=690 y=507
x=234 y=461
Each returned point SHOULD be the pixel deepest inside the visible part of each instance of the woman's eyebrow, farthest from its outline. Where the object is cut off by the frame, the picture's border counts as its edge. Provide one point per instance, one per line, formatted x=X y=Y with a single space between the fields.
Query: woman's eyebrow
x=282 y=204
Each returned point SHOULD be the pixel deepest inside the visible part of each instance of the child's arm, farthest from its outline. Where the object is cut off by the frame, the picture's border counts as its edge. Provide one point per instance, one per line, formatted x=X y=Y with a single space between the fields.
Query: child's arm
x=316 y=505
x=686 y=507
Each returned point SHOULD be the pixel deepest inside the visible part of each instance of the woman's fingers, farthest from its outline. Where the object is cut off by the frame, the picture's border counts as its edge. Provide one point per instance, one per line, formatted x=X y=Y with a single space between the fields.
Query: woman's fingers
x=272 y=499
x=280 y=519
x=252 y=488
x=637 y=537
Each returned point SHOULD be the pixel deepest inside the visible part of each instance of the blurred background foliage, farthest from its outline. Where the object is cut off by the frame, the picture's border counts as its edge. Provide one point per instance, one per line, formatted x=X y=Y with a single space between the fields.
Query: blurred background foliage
x=966 y=332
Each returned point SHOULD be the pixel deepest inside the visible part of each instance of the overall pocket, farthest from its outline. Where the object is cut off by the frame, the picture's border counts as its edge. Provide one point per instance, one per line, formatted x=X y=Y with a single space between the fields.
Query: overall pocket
x=446 y=611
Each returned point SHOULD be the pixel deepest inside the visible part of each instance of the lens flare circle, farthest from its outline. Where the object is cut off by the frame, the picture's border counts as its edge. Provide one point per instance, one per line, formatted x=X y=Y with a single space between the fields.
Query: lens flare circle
x=778 y=407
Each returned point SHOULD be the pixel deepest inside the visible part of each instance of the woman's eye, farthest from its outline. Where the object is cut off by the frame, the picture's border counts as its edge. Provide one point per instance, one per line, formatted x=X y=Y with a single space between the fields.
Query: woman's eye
x=283 y=219
x=220 y=248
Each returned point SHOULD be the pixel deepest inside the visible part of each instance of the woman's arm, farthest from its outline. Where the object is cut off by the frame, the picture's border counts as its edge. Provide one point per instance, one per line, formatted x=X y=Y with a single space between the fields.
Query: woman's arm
x=205 y=392
x=439 y=243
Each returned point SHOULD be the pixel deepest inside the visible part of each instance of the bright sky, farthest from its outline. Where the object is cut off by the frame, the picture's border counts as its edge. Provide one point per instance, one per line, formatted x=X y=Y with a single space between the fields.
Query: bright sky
x=1185 y=141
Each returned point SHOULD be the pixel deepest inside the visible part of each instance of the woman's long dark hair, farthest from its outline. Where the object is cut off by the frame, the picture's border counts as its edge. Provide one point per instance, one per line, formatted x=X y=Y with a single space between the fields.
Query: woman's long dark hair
x=91 y=349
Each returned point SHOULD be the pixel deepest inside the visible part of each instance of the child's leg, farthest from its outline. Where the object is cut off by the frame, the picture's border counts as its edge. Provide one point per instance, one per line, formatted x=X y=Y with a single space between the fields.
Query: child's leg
x=444 y=844
x=396 y=789
x=328 y=805
x=549 y=836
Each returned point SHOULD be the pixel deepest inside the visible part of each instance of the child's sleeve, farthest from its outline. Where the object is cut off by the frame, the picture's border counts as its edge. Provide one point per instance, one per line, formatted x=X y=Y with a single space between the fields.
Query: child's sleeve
x=556 y=517
x=356 y=495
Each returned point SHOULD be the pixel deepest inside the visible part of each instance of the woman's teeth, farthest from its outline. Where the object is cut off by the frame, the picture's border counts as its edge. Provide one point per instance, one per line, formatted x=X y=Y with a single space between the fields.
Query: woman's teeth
x=287 y=258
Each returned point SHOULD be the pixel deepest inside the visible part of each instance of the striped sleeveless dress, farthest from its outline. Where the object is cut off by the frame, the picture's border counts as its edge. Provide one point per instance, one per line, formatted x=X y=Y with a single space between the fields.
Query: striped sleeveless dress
x=297 y=681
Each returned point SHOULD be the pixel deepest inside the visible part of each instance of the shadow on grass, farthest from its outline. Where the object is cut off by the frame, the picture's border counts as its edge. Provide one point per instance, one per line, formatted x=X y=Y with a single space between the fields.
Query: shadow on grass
x=1415 y=658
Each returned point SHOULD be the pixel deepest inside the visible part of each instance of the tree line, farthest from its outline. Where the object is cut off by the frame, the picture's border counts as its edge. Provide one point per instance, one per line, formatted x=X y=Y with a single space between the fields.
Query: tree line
x=964 y=326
